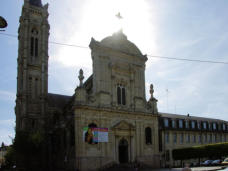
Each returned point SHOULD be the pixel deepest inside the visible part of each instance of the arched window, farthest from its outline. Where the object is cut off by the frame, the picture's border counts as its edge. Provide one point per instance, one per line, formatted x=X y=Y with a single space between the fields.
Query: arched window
x=121 y=95
x=36 y=87
x=34 y=43
x=92 y=125
x=118 y=95
x=148 y=135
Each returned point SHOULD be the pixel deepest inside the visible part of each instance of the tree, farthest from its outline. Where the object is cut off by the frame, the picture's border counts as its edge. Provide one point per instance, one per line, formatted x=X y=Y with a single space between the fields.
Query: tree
x=26 y=152
x=210 y=151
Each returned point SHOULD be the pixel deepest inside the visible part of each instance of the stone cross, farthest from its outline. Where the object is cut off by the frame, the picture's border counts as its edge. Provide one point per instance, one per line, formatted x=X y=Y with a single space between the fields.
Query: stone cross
x=81 y=77
x=119 y=16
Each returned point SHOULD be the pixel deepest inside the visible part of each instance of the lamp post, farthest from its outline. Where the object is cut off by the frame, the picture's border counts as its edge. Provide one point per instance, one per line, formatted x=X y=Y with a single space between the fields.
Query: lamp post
x=3 y=23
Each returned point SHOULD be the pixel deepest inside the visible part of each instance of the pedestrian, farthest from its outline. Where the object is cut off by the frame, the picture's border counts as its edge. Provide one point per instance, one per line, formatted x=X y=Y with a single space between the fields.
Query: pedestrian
x=186 y=168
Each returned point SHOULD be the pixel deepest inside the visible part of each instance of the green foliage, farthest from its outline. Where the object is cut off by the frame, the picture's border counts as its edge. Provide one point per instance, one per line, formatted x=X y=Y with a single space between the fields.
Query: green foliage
x=210 y=151
x=10 y=159
x=28 y=143
x=26 y=151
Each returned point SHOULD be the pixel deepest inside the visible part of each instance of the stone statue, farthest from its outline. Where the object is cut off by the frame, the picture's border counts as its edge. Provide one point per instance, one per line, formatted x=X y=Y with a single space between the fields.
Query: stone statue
x=151 y=92
x=81 y=77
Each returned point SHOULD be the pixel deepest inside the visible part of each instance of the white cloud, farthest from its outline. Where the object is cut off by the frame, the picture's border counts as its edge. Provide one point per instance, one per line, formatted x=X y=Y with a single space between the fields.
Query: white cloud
x=8 y=122
x=7 y=131
x=7 y=95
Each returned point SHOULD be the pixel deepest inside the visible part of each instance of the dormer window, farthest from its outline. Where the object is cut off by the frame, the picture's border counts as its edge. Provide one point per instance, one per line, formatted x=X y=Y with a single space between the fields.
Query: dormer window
x=214 y=126
x=121 y=95
x=223 y=127
x=193 y=124
x=173 y=124
x=180 y=123
x=204 y=125
x=166 y=122
x=209 y=126
x=186 y=124
x=199 y=125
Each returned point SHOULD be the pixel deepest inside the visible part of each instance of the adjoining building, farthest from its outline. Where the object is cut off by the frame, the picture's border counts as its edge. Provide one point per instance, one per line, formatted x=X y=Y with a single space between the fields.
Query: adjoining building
x=3 y=151
x=179 y=131
x=107 y=120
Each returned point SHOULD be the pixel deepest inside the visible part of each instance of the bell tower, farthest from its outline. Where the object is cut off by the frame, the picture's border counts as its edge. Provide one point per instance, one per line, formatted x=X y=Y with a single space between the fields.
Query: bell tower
x=32 y=70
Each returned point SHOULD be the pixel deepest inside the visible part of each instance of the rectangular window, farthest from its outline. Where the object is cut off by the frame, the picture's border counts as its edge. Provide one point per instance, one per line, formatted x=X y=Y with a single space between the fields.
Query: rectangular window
x=174 y=138
x=210 y=138
x=193 y=124
x=188 y=138
x=200 y=139
x=173 y=124
x=167 y=137
x=205 y=138
x=199 y=125
x=181 y=138
x=186 y=124
x=166 y=122
x=180 y=123
x=214 y=126
x=204 y=125
x=209 y=126
x=194 y=138
x=223 y=127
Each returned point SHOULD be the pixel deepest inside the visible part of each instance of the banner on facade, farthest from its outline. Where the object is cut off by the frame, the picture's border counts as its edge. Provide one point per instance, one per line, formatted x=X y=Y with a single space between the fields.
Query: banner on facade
x=95 y=135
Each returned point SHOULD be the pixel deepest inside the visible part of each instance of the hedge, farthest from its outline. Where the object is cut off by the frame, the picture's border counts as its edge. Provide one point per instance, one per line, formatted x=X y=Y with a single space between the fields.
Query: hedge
x=210 y=151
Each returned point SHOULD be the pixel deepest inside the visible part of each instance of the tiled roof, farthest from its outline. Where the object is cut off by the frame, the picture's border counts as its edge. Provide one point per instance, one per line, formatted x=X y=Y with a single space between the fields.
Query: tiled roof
x=177 y=116
x=57 y=100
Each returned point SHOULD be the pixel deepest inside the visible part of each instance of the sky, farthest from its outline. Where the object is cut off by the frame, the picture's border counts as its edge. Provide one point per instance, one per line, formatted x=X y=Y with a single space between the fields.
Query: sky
x=191 y=29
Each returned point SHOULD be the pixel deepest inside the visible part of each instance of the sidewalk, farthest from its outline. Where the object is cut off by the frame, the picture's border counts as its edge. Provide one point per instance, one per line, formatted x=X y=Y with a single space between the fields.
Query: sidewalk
x=193 y=169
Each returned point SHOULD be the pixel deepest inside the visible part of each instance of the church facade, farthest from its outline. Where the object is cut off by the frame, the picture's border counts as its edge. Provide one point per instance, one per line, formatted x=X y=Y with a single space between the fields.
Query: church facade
x=107 y=120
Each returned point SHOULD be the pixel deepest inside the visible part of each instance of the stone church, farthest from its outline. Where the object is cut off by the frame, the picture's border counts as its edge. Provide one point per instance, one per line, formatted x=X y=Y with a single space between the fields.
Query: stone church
x=113 y=99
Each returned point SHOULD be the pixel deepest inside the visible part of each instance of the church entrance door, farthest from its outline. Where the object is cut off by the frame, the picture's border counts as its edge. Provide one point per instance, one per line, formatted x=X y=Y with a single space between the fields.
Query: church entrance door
x=123 y=151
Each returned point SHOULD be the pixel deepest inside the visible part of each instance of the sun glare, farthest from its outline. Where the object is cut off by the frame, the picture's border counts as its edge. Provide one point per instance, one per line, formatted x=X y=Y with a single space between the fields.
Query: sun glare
x=99 y=17
x=99 y=21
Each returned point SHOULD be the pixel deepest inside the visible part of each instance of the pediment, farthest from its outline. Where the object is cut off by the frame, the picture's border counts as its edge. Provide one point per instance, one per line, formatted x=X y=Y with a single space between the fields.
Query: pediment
x=123 y=125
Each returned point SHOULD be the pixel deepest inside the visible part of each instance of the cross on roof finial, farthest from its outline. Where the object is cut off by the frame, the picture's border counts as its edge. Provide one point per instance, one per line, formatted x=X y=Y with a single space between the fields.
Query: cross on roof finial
x=119 y=16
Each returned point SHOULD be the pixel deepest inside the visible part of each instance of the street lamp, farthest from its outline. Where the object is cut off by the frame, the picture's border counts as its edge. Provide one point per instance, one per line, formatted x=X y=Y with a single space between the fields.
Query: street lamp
x=3 y=23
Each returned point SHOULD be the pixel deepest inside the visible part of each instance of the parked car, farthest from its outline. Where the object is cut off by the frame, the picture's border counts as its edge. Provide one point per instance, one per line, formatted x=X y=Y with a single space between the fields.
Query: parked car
x=225 y=162
x=216 y=162
x=207 y=163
